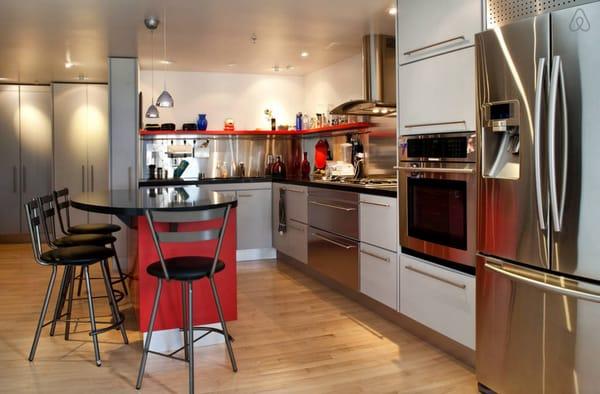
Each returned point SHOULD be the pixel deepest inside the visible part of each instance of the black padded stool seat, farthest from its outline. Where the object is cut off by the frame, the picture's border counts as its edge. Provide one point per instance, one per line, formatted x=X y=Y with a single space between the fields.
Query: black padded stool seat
x=94 y=228
x=85 y=239
x=185 y=268
x=77 y=255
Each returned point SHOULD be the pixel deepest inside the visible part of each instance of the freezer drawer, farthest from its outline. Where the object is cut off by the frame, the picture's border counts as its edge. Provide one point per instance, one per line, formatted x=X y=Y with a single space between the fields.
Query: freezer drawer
x=334 y=256
x=536 y=332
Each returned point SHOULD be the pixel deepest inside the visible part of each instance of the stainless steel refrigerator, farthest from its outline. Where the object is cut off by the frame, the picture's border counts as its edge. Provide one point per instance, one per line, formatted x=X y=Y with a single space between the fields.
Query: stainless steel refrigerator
x=538 y=270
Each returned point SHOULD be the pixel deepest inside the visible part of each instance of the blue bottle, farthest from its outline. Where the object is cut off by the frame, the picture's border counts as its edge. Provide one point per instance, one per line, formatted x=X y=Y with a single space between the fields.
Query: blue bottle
x=299 y=121
x=202 y=123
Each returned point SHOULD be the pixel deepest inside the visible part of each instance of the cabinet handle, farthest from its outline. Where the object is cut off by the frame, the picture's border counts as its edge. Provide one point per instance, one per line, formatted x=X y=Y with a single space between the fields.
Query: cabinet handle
x=411 y=126
x=331 y=241
x=24 y=180
x=129 y=178
x=332 y=206
x=293 y=191
x=386 y=259
x=244 y=195
x=449 y=282
x=82 y=178
x=375 y=203
x=92 y=177
x=435 y=44
x=438 y=170
x=14 y=179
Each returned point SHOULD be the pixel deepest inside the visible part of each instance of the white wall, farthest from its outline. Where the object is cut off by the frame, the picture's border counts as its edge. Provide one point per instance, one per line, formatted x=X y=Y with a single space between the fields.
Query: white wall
x=243 y=97
x=333 y=85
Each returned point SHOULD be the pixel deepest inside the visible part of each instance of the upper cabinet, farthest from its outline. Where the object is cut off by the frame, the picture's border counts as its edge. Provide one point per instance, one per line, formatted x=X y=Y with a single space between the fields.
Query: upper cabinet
x=431 y=27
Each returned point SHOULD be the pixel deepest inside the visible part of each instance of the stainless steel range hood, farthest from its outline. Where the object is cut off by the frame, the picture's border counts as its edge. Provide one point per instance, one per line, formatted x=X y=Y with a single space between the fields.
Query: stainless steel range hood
x=379 y=79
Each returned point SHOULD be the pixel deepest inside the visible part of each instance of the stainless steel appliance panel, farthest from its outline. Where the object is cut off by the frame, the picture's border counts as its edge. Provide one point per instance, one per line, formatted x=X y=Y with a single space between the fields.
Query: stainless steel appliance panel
x=443 y=182
x=509 y=333
x=575 y=191
x=536 y=331
x=10 y=179
x=334 y=211
x=335 y=257
x=512 y=64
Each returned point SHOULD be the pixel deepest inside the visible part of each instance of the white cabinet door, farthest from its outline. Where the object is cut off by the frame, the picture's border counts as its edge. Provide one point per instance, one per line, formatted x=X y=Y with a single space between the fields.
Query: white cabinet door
x=70 y=141
x=10 y=206
x=379 y=274
x=296 y=241
x=378 y=217
x=429 y=27
x=296 y=202
x=440 y=298
x=438 y=94
x=254 y=219
x=98 y=144
x=36 y=144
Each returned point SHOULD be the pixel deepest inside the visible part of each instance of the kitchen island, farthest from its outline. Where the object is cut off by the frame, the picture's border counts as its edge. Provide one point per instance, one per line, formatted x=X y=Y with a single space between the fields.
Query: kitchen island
x=129 y=206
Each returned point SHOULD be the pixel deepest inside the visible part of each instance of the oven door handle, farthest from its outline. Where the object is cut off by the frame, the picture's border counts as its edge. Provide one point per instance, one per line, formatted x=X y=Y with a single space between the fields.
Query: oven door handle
x=439 y=170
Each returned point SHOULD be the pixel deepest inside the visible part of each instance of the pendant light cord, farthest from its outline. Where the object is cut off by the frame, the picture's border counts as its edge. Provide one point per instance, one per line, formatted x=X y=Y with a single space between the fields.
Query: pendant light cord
x=152 y=45
x=165 y=48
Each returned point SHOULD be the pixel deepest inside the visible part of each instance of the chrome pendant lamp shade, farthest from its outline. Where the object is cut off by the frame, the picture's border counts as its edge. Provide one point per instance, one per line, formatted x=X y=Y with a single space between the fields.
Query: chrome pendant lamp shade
x=152 y=23
x=165 y=99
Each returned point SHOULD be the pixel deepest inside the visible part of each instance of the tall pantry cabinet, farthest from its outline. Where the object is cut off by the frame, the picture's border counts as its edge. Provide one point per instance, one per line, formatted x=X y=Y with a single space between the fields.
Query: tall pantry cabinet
x=25 y=153
x=81 y=142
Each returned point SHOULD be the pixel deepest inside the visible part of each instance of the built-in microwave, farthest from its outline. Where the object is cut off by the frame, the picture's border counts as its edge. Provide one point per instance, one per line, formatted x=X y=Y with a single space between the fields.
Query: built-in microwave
x=438 y=197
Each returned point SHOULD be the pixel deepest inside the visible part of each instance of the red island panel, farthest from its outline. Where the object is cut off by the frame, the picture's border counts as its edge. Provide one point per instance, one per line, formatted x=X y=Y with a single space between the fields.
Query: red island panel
x=143 y=286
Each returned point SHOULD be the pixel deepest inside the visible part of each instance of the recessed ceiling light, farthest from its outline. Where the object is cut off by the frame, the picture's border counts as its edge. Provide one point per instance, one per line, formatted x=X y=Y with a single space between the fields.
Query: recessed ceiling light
x=304 y=54
x=3 y=79
x=69 y=64
x=231 y=64
x=165 y=61
x=392 y=11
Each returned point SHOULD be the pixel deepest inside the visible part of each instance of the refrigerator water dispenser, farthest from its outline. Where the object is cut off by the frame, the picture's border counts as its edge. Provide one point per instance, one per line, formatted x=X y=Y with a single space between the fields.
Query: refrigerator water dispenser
x=500 y=140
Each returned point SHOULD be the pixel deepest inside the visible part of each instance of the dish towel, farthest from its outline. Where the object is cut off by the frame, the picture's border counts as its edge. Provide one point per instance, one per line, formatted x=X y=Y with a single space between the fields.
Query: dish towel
x=282 y=220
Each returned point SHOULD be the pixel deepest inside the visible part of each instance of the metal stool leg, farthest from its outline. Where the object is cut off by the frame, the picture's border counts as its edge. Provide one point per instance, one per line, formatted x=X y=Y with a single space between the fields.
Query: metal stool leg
x=122 y=276
x=111 y=299
x=71 y=285
x=40 y=325
x=80 y=283
x=88 y=285
x=190 y=319
x=60 y=300
x=138 y=385
x=221 y=317
x=184 y=320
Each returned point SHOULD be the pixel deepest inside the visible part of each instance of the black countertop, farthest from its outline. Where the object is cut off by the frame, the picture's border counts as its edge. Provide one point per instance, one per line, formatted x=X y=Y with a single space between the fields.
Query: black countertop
x=378 y=191
x=135 y=202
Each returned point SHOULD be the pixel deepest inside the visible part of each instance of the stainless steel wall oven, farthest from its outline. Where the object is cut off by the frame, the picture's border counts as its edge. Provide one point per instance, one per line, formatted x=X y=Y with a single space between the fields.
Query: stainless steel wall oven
x=438 y=193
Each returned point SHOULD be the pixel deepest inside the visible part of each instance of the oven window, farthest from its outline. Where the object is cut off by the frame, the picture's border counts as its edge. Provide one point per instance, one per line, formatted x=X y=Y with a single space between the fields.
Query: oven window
x=437 y=211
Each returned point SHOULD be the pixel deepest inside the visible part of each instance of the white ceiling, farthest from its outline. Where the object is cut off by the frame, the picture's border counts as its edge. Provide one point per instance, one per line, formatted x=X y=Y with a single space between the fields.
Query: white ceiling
x=37 y=37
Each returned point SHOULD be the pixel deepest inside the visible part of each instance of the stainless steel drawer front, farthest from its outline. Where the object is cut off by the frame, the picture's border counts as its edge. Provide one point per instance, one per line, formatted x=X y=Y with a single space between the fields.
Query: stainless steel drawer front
x=335 y=257
x=334 y=211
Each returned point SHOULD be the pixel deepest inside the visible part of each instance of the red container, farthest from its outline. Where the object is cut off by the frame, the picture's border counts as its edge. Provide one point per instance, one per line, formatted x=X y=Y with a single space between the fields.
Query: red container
x=321 y=149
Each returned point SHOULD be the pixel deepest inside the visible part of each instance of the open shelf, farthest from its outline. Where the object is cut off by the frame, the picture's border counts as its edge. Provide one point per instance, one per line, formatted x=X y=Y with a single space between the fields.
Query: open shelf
x=320 y=130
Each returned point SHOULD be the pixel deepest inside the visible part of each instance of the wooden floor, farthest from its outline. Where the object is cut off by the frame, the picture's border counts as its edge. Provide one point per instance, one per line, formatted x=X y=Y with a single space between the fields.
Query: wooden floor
x=293 y=335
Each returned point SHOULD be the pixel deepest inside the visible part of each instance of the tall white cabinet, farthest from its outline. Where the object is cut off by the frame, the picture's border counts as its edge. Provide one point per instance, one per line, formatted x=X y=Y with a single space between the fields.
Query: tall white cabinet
x=81 y=142
x=25 y=152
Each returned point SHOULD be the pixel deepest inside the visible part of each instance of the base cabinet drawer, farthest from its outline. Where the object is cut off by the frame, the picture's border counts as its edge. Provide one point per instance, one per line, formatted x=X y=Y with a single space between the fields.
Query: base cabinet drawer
x=296 y=202
x=439 y=298
x=379 y=274
x=296 y=243
x=378 y=221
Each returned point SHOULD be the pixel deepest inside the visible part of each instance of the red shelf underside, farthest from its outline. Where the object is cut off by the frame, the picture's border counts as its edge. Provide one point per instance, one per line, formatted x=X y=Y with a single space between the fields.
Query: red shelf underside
x=342 y=127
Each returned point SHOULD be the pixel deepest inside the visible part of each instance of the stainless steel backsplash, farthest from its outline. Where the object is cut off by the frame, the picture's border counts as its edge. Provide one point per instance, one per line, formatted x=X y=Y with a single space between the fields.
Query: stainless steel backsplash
x=379 y=144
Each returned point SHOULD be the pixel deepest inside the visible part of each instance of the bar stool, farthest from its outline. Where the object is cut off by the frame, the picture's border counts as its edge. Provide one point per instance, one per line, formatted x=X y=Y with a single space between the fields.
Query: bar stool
x=71 y=257
x=62 y=202
x=186 y=270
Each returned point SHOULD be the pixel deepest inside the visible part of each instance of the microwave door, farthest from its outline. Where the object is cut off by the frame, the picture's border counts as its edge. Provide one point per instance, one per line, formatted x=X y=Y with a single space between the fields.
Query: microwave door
x=575 y=160
x=513 y=202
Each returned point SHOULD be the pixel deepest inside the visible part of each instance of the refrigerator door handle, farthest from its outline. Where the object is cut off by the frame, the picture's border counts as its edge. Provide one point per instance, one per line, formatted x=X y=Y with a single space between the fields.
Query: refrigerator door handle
x=557 y=78
x=541 y=72
x=550 y=283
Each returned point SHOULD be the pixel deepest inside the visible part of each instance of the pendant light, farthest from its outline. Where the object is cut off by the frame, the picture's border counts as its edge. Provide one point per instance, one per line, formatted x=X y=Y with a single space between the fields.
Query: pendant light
x=165 y=99
x=152 y=23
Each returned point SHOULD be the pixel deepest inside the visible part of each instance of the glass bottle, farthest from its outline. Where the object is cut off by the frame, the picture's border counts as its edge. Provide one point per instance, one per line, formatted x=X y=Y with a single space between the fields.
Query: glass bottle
x=305 y=167
x=269 y=165
x=279 y=168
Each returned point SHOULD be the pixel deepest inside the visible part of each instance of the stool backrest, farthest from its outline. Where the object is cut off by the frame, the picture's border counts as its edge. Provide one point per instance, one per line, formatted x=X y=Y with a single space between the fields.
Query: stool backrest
x=34 y=224
x=62 y=202
x=48 y=213
x=173 y=218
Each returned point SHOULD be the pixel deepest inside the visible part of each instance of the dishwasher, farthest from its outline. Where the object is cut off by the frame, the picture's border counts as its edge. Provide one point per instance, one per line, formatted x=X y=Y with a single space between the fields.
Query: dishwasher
x=333 y=246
